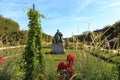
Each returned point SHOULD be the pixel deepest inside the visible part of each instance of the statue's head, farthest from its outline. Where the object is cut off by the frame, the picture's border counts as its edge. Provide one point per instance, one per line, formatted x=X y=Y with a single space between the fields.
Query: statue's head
x=57 y=30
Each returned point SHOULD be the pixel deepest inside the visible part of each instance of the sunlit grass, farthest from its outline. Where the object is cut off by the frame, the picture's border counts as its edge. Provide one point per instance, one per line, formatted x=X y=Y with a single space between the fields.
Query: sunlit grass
x=86 y=66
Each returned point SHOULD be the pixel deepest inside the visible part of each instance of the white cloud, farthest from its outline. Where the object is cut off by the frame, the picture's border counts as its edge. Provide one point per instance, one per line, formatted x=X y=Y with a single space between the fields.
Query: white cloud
x=87 y=2
x=112 y=5
x=84 y=5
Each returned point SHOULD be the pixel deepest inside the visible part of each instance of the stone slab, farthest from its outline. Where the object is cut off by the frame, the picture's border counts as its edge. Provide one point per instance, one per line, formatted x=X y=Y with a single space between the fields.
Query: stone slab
x=58 y=48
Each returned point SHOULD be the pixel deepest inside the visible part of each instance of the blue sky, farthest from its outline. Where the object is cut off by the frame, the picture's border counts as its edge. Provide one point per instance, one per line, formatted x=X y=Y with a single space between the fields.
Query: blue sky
x=69 y=16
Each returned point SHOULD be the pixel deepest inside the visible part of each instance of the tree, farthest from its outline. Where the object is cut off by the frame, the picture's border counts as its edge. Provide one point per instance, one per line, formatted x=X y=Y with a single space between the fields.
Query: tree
x=7 y=28
x=33 y=62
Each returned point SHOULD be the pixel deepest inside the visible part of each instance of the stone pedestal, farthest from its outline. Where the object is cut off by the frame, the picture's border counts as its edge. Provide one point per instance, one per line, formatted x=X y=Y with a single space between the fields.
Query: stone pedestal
x=58 y=48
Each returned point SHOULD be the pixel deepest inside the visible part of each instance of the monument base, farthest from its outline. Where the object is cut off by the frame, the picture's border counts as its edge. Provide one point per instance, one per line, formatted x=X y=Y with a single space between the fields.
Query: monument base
x=58 y=48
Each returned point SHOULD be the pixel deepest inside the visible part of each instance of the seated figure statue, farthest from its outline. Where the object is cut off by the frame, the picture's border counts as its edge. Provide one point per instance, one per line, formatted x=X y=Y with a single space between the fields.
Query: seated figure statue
x=57 y=37
x=58 y=46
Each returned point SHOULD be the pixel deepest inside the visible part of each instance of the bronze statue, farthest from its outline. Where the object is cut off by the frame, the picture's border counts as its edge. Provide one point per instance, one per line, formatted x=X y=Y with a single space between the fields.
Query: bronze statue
x=58 y=37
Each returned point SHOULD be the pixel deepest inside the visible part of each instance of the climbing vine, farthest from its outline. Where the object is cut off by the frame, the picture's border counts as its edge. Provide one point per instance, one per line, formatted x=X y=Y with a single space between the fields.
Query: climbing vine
x=33 y=62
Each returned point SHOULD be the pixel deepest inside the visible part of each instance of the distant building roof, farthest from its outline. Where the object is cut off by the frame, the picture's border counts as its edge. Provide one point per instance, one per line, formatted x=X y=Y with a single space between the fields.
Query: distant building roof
x=98 y=30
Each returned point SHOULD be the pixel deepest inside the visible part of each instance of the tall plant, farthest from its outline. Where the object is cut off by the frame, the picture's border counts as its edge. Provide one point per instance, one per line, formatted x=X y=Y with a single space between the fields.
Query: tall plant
x=33 y=62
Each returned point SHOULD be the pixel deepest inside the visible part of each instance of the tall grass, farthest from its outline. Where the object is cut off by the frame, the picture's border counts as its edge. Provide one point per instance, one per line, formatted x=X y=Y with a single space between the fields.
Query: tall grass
x=91 y=68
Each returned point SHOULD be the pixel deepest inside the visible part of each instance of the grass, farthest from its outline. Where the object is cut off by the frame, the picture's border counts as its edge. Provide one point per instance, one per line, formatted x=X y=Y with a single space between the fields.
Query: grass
x=86 y=66
x=92 y=68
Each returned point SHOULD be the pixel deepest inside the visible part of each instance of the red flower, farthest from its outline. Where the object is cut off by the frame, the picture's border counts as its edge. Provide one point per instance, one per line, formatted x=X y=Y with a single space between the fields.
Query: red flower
x=60 y=65
x=70 y=59
x=66 y=66
x=1 y=59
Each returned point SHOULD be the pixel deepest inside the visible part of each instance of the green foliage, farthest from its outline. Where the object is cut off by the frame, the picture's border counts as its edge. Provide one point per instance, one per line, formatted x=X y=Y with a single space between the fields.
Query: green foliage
x=66 y=43
x=11 y=34
x=7 y=27
x=46 y=38
x=32 y=57
x=119 y=39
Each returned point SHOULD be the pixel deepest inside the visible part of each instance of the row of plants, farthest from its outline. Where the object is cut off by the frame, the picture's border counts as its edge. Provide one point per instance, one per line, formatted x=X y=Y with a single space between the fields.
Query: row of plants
x=95 y=45
x=106 y=55
x=92 y=68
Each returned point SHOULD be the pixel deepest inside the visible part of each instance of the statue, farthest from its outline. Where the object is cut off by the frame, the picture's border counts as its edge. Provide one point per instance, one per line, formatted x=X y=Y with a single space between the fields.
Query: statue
x=58 y=37
x=58 y=46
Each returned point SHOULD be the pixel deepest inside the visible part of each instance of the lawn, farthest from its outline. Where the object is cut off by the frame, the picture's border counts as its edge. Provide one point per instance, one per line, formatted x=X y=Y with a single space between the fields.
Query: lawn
x=86 y=66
